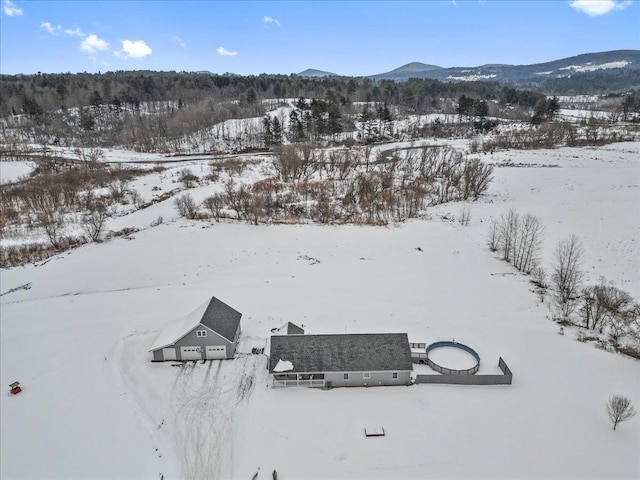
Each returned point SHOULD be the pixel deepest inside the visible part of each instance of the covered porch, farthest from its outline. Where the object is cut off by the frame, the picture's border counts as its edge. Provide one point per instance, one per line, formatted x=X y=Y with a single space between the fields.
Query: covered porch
x=298 y=380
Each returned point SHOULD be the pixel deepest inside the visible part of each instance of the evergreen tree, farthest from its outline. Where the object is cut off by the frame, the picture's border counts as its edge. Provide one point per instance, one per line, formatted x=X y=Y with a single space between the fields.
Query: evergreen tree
x=553 y=106
x=267 y=136
x=95 y=99
x=251 y=96
x=301 y=104
x=465 y=105
x=480 y=109
x=276 y=131
x=334 y=121
x=366 y=127
x=86 y=122
x=385 y=118
x=296 y=127
x=539 y=112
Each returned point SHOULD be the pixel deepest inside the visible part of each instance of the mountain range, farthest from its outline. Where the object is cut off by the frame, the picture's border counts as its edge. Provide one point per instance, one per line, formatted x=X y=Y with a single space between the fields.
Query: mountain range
x=620 y=65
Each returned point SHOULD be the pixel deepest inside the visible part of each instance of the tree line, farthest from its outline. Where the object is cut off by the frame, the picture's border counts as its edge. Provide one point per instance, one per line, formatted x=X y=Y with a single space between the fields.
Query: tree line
x=41 y=93
x=601 y=308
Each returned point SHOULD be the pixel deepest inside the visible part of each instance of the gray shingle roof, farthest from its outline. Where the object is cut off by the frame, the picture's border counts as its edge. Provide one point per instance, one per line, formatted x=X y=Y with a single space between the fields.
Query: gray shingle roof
x=221 y=318
x=293 y=329
x=342 y=353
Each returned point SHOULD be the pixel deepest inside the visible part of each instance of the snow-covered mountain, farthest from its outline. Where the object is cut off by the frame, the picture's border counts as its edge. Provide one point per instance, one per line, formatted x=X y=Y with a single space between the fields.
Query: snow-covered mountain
x=619 y=70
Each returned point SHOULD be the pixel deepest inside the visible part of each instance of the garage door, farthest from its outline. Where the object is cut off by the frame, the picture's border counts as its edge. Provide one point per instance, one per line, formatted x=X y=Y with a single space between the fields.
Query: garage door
x=216 y=353
x=169 y=353
x=190 y=353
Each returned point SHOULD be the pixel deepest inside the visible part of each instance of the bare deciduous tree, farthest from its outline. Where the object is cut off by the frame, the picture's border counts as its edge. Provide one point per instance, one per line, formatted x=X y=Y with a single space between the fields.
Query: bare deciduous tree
x=619 y=409
x=510 y=223
x=495 y=235
x=119 y=189
x=187 y=177
x=539 y=275
x=52 y=222
x=477 y=176
x=215 y=204
x=605 y=305
x=94 y=220
x=567 y=275
x=186 y=206
x=518 y=239
x=527 y=243
x=294 y=163
x=465 y=214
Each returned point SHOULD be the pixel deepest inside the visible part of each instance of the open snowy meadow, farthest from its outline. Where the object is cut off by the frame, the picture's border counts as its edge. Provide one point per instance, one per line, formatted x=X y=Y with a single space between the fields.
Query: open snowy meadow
x=94 y=406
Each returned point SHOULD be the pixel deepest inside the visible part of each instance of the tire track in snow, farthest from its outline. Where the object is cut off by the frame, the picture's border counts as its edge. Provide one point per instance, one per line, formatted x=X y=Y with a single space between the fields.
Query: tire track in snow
x=204 y=405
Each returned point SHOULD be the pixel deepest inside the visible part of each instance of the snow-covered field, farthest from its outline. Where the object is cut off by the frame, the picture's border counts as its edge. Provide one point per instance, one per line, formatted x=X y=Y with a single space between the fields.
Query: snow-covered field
x=94 y=406
x=10 y=171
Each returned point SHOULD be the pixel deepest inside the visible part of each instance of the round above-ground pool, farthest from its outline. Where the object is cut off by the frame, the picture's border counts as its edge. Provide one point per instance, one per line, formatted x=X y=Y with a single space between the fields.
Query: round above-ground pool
x=453 y=358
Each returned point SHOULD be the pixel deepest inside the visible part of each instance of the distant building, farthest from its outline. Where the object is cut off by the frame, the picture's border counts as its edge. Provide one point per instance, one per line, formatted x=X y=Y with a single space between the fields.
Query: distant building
x=349 y=360
x=288 y=329
x=210 y=332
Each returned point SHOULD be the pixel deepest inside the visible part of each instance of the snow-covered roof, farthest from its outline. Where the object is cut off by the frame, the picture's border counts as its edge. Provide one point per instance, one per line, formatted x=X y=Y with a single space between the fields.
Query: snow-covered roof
x=359 y=352
x=283 y=366
x=213 y=314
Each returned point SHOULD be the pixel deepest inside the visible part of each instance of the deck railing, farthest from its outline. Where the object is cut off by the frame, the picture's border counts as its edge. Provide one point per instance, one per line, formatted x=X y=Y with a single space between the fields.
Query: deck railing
x=297 y=383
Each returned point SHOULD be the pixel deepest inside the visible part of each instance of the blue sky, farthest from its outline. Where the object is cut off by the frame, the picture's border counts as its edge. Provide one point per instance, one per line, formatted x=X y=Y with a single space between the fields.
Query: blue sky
x=349 y=38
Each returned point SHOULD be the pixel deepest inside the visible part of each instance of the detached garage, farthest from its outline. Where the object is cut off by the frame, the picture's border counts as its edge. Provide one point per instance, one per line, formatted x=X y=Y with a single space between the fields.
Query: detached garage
x=210 y=332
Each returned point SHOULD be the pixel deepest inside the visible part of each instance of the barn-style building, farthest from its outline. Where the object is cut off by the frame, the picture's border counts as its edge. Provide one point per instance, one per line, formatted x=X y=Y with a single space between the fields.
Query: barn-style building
x=210 y=332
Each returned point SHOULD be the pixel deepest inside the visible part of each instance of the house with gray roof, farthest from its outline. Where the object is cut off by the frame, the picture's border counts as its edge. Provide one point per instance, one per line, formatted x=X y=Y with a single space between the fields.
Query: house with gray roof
x=210 y=332
x=348 y=360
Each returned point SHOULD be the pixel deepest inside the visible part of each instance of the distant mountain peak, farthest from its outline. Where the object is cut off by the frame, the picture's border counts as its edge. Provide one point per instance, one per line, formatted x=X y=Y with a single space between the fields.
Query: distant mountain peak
x=312 y=72
x=415 y=67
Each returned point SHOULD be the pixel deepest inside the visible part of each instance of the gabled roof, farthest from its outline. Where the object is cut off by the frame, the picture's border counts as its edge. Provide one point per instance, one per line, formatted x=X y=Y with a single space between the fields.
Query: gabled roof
x=288 y=329
x=221 y=318
x=342 y=353
x=213 y=314
x=293 y=329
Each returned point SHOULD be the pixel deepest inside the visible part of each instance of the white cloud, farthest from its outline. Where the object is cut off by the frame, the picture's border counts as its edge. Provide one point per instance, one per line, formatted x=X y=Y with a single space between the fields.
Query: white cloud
x=93 y=43
x=226 y=53
x=56 y=29
x=270 y=21
x=76 y=32
x=134 y=49
x=50 y=28
x=179 y=41
x=595 y=8
x=10 y=9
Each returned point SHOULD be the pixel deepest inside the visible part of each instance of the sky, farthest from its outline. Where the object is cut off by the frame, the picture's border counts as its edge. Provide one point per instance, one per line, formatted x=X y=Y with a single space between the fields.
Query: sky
x=344 y=37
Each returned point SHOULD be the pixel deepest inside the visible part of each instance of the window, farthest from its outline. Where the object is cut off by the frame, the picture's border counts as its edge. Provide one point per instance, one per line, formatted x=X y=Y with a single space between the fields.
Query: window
x=395 y=375
x=366 y=375
x=345 y=376
x=201 y=333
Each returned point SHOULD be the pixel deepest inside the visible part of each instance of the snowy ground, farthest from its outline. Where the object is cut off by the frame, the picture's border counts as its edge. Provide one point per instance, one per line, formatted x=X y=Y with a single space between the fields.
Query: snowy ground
x=77 y=340
x=11 y=171
x=593 y=193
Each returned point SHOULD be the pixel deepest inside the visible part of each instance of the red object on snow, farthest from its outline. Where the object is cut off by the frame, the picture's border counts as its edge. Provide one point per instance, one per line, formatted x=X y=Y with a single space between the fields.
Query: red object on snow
x=15 y=388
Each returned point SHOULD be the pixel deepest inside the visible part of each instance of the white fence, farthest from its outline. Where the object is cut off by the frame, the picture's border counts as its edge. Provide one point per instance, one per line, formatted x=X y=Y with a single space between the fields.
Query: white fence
x=297 y=383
